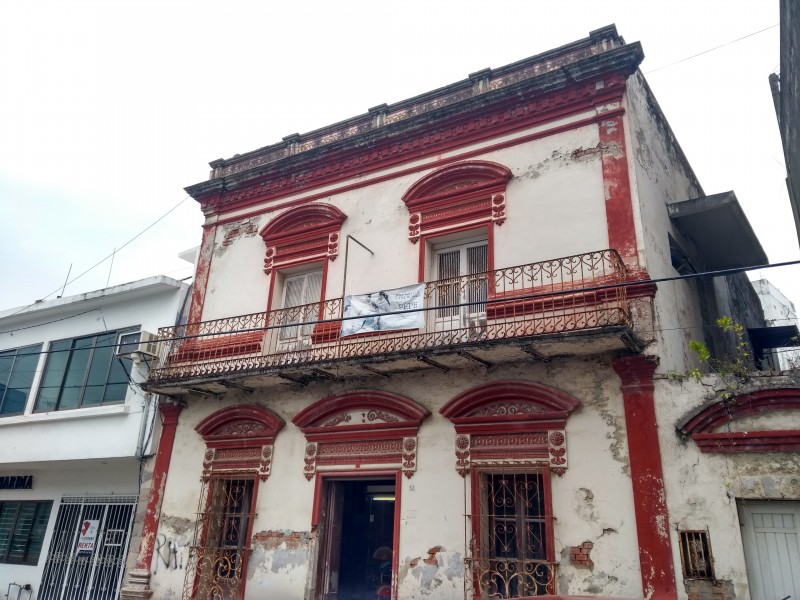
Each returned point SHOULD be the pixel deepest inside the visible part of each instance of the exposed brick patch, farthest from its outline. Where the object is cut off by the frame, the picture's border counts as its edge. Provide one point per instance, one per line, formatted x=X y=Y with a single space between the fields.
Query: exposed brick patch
x=432 y=552
x=707 y=589
x=234 y=231
x=579 y=555
x=272 y=540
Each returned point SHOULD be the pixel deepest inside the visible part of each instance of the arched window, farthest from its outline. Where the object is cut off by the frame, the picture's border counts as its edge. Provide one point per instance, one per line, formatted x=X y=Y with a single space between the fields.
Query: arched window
x=239 y=446
x=510 y=435
x=741 y=424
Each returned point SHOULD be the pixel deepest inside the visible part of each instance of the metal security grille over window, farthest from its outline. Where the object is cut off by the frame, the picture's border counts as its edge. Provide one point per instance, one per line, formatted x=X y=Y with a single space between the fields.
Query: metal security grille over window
x=22 y=528
x=86 y=558
x=510 y=550
x=218 y=556
x=462 y=277
x=696 y=557
x=84 y=372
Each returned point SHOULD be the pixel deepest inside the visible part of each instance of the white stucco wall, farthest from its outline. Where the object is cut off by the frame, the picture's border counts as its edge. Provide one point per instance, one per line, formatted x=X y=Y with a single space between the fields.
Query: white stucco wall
x=92 y=432
x=703 y=489
x=591 y=502
x=86 y=451
x=554 y=204
x=659 y=177
x=54 y=480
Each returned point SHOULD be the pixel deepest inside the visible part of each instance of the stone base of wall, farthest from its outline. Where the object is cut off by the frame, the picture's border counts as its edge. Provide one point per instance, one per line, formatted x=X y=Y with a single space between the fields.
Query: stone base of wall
x=703 y=589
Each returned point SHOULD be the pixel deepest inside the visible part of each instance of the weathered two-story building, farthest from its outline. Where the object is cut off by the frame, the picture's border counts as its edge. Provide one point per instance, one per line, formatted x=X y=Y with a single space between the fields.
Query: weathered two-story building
x=428 y=354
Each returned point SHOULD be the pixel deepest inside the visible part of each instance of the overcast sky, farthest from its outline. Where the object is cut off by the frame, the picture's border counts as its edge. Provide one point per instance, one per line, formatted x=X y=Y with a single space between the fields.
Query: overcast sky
x=109 y=109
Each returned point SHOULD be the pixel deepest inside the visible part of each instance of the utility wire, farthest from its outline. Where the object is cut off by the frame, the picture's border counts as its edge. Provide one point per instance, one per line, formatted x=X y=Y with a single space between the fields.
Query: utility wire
x=598 y=288
x=712 y=49
x=100 y=262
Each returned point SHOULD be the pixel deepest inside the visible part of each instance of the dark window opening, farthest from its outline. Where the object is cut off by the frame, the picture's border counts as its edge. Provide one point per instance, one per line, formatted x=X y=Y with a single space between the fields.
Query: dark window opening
x=696 y=558
x=22 y=529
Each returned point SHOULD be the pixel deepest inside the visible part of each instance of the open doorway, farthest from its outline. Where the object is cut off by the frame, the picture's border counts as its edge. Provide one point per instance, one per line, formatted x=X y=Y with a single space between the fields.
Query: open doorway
x=357 y=539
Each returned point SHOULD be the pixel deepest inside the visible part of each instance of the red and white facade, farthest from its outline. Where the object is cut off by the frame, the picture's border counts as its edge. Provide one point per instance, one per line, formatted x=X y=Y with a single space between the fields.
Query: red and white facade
x=515 y=445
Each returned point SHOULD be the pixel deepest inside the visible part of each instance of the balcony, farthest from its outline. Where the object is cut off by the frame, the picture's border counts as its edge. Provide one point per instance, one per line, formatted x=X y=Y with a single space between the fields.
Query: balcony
x=565 y=306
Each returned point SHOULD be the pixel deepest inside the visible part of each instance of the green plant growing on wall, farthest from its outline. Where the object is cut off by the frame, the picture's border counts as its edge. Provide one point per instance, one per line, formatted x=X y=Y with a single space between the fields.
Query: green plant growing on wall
x=734 y=368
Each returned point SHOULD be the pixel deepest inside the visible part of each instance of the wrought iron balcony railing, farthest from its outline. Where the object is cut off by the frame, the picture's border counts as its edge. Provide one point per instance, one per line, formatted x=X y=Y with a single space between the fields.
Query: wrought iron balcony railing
x=556 y=296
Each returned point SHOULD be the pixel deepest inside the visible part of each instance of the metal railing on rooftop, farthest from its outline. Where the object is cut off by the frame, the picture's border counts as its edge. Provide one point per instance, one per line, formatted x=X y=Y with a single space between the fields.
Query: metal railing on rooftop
x=555 y=296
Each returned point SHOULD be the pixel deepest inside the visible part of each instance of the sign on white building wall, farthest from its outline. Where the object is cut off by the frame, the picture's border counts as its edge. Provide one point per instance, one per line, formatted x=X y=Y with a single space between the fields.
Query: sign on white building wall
x=88 y=535
x=372 y=307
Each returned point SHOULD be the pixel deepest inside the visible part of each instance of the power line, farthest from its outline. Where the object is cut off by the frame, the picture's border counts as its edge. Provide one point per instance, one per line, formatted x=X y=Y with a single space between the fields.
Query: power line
x=100 y=262
x=712 y=49
x=541 y=295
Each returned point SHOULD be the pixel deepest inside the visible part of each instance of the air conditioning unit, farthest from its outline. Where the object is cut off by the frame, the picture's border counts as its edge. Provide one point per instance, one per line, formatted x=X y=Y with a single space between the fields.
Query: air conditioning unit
x=137 y=344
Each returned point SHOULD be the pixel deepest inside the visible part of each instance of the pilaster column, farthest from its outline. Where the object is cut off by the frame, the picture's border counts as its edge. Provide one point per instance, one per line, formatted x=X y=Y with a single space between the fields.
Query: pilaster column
x=647 y=477
x=137 y=582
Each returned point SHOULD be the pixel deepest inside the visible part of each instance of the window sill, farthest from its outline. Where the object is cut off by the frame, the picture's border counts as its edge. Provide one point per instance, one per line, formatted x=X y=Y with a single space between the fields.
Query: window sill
x=59 y=415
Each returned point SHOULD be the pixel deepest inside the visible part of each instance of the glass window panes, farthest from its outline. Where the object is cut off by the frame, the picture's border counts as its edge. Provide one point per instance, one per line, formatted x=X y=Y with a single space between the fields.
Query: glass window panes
x=17 y=368
x=22 y=528
x=84 y=372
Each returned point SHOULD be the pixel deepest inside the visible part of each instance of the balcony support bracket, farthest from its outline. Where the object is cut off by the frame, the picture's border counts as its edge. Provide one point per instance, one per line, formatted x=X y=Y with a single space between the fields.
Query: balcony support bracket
x=474 y=358
x=237 y=386
x=433 y=364
x=535 y=353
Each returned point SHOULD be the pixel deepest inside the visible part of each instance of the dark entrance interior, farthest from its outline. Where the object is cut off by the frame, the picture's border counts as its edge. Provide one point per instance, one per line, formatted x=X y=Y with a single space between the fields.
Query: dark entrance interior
x=359 y=537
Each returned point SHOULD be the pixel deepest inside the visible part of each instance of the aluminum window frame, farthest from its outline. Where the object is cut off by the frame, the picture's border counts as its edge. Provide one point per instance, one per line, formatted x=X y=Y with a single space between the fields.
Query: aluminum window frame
x=35 y=534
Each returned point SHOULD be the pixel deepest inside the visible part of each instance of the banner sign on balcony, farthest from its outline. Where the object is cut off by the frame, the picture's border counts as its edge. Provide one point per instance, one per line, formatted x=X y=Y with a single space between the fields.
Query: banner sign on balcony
x=88 y=535
x=374 y=306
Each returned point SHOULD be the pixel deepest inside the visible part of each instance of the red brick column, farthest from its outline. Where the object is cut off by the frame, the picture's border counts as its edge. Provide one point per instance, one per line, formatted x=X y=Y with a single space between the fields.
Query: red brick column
x=137 y=584
x=649 y=496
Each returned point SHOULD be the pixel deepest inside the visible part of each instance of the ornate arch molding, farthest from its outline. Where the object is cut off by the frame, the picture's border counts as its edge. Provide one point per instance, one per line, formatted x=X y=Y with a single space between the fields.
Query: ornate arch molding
x=701 y=425
x=239 y=439
x=455 y=196
x=510 y=421
x=361 y=429
x=302 y=235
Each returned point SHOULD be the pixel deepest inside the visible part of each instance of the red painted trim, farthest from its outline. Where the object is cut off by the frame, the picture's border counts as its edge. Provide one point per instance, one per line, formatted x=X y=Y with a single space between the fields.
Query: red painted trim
x=548 y=519
x=312 y=416
x=459 y=131
x=438 y=161
x=702 y=424
x=549 y=400
x=442 y=184
x=777 y=440
x=215 y=348
x=616 y=181
x=201 y=273
x=721 y=413
x=209 y=428
x=398 y=486
x=647 y=478
x=475 y=497
x=301 y=223
x=170 y=411
x=271 y=289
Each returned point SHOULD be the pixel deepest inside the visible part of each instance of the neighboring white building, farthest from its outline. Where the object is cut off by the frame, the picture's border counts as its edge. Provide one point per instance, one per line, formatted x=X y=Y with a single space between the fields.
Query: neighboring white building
x=75 y=429
x=779 y=311
x=527 y=434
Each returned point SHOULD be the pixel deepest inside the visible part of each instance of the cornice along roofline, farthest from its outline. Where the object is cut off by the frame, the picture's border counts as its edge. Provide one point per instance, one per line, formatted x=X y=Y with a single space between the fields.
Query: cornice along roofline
x=488 y=88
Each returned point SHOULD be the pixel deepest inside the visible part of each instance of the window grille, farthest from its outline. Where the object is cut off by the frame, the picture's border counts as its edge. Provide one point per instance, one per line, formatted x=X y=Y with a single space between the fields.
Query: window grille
x=510 y=549
x=218 y=557
x=696 y=557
